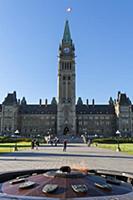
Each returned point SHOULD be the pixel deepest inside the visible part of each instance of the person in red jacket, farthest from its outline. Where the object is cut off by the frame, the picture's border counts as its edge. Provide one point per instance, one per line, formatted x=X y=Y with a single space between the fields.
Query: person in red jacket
x=64 y=145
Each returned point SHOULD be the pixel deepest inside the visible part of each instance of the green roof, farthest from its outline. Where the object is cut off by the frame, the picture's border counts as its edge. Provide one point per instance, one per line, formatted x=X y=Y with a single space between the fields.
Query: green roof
x=67 y=35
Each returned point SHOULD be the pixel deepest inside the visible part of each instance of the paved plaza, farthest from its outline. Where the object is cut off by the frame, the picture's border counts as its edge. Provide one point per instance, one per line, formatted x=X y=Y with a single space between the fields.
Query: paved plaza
x=76 y=156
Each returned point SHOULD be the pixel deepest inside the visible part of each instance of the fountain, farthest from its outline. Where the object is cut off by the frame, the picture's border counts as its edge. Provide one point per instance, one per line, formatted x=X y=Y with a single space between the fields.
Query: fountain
x=66 y=183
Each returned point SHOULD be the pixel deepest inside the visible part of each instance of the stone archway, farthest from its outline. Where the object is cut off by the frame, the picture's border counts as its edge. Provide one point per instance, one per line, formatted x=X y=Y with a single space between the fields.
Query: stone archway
x=66 y=131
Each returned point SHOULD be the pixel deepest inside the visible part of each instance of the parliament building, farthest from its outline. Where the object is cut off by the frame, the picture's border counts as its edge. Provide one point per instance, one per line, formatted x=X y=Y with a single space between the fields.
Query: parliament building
x=64 y=115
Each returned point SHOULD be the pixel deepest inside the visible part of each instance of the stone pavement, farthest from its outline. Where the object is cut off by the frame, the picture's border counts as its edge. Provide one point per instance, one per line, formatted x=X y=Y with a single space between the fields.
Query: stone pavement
x=76 y=156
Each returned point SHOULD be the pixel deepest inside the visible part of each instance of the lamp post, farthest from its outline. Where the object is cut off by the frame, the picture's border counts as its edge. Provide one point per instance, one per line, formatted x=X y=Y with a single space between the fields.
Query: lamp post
x=16 y=133
x=38 y=136
x=118 y=134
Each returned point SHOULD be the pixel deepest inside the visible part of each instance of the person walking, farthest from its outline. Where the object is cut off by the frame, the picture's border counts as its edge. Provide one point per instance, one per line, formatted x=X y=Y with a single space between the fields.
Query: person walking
x=64 y=145
x=32 y=144
x=37 y=144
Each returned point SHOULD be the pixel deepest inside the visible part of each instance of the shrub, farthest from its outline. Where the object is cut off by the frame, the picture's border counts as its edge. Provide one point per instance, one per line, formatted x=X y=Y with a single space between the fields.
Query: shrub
x=113 y=140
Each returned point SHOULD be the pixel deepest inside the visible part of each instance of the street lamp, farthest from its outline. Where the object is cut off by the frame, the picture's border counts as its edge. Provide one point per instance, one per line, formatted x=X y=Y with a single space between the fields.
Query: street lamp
x=118 y=134
x=16 y=133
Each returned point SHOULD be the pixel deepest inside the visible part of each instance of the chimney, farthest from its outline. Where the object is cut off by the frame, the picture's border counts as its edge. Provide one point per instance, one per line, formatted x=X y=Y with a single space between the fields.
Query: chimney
x=46 y=102
x=87 y=102
x=40 y=102
x=93 y=102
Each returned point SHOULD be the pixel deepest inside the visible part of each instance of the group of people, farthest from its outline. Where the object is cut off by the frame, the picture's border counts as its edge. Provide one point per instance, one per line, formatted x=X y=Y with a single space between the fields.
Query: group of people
x=34 y=143
x=54 y=141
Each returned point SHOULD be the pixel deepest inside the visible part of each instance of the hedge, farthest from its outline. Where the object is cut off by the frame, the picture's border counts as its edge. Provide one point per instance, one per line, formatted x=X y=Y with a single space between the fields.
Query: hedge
x=113 y=140
x=6 y=139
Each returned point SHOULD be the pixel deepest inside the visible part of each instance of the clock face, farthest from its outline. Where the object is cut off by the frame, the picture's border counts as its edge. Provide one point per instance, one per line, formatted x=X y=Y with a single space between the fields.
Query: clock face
x=66 y=50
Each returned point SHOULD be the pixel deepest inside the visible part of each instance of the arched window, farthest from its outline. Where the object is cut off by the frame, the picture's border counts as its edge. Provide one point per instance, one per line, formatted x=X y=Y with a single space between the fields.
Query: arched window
x=65 y=65
x=70 y=66
x=62 y=65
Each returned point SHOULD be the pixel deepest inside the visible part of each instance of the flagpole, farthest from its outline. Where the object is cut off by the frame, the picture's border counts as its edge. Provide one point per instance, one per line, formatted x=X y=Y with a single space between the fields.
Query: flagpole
x=68 y=11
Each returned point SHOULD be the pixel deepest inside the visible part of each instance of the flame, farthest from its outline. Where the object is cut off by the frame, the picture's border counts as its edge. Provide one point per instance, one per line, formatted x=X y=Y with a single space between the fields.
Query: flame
x=80 y=168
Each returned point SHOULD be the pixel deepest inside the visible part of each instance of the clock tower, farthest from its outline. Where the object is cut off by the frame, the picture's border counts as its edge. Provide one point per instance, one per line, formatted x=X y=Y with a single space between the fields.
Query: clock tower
x=66 y=115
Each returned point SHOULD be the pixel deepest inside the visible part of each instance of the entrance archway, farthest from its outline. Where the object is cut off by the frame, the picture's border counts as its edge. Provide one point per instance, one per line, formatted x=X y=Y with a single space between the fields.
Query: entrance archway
x=66 y=130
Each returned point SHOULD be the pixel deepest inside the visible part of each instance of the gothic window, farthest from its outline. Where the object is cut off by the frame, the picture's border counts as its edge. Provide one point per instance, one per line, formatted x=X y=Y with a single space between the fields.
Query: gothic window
x=62 y=65
x=97 y=123
x=70 y=66
x=65 y=65
x=101 y=122
x=69 y=78
x=64 y=78
x=107 y=123
x=63 y=100
x=69 y=100
x=85 y=123
x=101 y=117
x=80 y=122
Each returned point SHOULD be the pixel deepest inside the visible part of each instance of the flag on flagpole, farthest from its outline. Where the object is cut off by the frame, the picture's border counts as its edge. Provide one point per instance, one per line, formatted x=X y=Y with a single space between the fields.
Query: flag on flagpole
x=69 y=9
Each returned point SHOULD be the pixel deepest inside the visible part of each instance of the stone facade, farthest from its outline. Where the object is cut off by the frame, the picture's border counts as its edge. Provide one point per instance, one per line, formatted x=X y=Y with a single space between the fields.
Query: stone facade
x=65 y=116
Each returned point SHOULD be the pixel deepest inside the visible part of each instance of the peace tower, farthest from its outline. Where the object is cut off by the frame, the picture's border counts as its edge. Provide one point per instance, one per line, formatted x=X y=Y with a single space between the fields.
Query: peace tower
x=66 y=115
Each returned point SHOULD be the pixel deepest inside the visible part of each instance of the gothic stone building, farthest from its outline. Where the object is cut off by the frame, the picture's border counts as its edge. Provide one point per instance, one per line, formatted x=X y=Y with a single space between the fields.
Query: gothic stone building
x=65 y=116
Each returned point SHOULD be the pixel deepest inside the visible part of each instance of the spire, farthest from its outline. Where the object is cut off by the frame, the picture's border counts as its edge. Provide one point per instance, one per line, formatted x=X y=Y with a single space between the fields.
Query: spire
x=67 y=35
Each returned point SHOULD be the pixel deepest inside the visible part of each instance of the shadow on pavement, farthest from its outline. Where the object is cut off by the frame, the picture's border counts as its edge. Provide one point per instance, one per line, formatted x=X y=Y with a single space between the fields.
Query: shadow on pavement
x=66 y=154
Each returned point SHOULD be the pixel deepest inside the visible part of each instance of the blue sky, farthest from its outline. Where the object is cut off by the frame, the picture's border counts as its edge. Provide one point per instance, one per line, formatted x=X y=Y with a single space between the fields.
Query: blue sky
x=30 y=33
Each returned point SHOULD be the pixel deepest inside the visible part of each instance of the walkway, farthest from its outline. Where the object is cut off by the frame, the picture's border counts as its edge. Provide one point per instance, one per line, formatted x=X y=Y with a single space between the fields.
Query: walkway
x=76 y=156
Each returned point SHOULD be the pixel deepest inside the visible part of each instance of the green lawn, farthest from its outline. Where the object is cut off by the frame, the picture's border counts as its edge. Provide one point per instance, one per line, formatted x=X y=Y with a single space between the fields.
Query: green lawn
x=9 y=147
x=126 y=147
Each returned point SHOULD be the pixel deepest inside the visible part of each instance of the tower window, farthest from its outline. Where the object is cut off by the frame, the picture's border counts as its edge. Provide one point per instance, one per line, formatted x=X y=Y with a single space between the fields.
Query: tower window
x=70 y=66
x=63 y=100
x=64 y=78
x=62 y=65
x=65 y=65
x=69 y=100
x=69 y=78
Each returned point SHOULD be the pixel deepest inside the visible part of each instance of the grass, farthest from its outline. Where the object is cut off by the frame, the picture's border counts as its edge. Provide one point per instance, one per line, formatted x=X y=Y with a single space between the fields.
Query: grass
x=9 y=147
x=125 y=147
